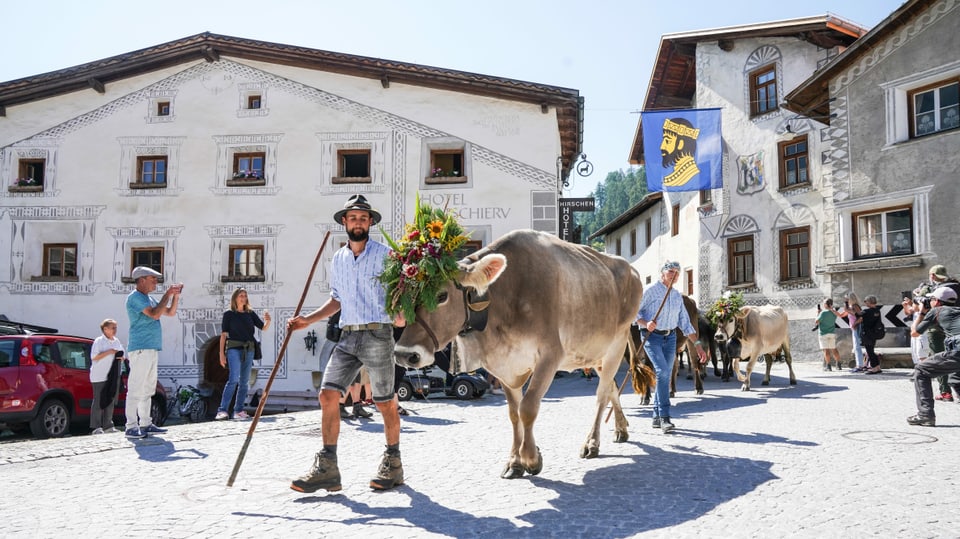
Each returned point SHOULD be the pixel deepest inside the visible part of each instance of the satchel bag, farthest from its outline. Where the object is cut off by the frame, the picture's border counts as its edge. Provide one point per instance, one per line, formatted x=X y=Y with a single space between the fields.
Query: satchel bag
x=257 y=351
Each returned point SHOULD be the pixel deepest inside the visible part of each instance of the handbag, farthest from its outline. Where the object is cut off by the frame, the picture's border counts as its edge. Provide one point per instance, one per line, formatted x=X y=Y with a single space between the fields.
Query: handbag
x=257 y=351
x=333 y=328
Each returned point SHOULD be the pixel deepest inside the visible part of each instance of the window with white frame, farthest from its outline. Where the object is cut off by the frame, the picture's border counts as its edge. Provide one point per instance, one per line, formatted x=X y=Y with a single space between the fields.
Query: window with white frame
x=883 y=232
x=935 y=108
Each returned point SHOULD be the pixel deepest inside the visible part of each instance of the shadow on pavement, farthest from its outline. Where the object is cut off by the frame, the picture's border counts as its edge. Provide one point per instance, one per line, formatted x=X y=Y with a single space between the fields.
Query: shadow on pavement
x=159 y=450
x=656 y=490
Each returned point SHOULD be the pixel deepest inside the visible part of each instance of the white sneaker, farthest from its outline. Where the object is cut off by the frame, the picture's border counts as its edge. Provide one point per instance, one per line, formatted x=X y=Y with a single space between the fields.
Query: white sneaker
x=97 y=430
x=222 y=415
x=241 y=415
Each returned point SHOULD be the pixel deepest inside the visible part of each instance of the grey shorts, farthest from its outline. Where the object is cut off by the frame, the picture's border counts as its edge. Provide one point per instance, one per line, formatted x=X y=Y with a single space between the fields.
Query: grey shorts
x=372 y=349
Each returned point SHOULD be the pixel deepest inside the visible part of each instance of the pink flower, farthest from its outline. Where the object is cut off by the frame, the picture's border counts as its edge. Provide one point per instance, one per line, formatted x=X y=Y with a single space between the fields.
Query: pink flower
x=410 y=270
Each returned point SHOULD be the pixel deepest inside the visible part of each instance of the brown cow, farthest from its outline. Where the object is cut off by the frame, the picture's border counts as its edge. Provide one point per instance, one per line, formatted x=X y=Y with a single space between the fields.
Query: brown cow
x=755 y=331
x=558 y=306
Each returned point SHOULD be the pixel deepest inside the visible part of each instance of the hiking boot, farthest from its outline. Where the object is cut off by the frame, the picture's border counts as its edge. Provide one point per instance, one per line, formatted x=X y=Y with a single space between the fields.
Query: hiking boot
x=656 y=423
x=390 y=473
x=922 y=421
x=323 y=475
x=666 y=425
x=360 y=411
x=344 y=414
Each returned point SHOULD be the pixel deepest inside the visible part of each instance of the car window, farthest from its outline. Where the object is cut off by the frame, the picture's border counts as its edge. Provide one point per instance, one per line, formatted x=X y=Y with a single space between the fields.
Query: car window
x=8 y=353
x=73 y=355
x=42 y=353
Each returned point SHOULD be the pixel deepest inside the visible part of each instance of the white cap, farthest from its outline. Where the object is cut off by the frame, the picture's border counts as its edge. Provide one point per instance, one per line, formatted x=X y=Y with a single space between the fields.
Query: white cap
x=143 y=271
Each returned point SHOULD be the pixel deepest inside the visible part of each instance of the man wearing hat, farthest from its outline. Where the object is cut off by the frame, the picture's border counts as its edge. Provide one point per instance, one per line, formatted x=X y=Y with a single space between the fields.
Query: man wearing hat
x=935 y=335
x=659 y=339
x=146 y=341
x=943 y=311
x=366 y=340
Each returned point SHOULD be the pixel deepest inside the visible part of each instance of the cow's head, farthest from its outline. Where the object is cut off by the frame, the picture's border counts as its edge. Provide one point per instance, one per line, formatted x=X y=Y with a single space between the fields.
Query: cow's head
x=731 y=327
x=434 y=330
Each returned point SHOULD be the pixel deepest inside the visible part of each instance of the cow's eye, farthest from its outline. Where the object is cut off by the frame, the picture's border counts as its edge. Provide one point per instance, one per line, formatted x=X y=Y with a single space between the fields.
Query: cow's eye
x=441 y=297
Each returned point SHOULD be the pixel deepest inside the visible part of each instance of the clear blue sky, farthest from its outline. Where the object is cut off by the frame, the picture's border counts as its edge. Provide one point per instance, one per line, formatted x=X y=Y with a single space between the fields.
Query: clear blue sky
x=603 y=48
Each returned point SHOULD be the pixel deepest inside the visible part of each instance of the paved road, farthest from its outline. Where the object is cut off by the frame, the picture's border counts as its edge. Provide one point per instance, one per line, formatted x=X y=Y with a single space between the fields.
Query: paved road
x=829 y=457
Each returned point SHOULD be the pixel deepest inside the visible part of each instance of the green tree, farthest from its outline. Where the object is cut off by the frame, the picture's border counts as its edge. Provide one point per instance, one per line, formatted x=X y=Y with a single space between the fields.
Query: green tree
x=617 y=193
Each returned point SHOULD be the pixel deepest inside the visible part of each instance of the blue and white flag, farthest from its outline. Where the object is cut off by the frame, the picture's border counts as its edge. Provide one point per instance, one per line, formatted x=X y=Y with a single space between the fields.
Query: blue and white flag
x=682 y=150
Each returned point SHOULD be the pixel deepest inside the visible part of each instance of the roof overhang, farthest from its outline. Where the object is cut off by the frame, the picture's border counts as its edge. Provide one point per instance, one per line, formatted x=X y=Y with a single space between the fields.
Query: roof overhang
x=812 y=97
x=210 y=47
x=647 y=202
x=673 y=83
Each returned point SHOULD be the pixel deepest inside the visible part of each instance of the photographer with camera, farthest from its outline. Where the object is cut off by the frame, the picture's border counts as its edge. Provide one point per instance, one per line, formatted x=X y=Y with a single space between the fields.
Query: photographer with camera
x=943 y=312
x=932 y=340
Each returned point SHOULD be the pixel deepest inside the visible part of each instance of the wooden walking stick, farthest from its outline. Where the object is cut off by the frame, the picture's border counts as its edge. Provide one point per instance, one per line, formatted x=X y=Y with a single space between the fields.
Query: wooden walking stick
x=642 y=342
x=276 y=365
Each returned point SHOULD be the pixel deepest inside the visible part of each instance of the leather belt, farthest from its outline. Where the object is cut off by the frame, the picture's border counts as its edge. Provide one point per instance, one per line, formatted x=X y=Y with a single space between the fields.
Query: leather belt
x=663 y=332
x=363 y=327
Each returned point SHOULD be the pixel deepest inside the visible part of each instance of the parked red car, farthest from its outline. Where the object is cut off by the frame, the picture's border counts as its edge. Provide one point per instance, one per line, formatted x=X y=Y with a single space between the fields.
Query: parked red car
x=45 y=381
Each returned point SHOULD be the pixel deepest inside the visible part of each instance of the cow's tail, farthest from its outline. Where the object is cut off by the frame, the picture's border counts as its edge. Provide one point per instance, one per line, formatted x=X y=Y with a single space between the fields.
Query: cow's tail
x=643 y=376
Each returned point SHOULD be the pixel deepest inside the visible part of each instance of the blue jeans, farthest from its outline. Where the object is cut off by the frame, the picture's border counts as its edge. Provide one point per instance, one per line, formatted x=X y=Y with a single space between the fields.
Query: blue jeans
x=662 y=351
x=857 y=346
x=239 y=361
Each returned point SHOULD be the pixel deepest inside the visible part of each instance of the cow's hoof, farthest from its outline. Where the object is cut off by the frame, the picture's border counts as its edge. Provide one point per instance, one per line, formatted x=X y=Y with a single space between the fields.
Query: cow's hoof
x=621 y=436
x=793 y=382
x=645 y=401
x=765 y=383
x=689 y=377
x=700 y=391
x=673 y=394
x=536 y=468
x=512 y=471
x=589 y=451
x=745 y=388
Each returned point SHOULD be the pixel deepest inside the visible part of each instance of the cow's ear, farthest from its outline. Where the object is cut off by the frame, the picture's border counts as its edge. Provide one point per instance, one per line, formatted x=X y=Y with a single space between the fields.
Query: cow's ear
x=744 y=311
x=484 y=272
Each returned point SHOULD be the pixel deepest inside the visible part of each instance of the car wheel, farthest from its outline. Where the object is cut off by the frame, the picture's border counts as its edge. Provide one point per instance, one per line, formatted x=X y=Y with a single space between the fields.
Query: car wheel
x=158 y=410
x=463 y=390
x=405 y=391
x=53 y=421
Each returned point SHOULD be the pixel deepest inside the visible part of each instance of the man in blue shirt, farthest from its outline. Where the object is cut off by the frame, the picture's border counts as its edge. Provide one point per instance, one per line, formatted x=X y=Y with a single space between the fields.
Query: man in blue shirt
x=146 y=341
x=660 y=341
x=367 y=340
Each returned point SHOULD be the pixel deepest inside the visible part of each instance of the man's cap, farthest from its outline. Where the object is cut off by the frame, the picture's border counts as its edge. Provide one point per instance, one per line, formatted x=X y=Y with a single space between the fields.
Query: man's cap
x=939 y=270
x=357 y=202
x=670 y=265
x=944 y=293
x=143 y=271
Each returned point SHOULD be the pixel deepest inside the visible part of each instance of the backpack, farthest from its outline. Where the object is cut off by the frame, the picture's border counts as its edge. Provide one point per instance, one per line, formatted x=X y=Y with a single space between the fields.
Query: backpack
x=879 y=332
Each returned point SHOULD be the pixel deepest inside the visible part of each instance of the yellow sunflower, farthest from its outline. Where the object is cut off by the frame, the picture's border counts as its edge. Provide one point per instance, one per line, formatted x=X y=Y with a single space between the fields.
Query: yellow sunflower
x=435 y=228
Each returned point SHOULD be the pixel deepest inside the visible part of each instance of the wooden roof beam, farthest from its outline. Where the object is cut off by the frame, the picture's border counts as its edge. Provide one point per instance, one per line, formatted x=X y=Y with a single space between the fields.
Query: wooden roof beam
x=97 y=85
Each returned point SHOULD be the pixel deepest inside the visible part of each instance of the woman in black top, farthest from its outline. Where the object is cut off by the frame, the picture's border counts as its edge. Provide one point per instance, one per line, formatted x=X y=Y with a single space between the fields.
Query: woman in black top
x=236 y=349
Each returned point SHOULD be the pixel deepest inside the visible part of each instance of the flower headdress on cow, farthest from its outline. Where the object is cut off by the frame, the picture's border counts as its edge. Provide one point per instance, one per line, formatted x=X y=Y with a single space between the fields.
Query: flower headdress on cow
x=422 y=260
x=725 y=307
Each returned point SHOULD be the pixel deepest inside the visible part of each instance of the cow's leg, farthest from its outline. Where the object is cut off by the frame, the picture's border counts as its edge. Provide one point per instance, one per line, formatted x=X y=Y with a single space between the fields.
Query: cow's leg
x=606 y=393
x=529 y=453
x=746 y=379
x=768 y=359
x=673 y=377
x=699 y=371
x=786 y=355
x=513 y=469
